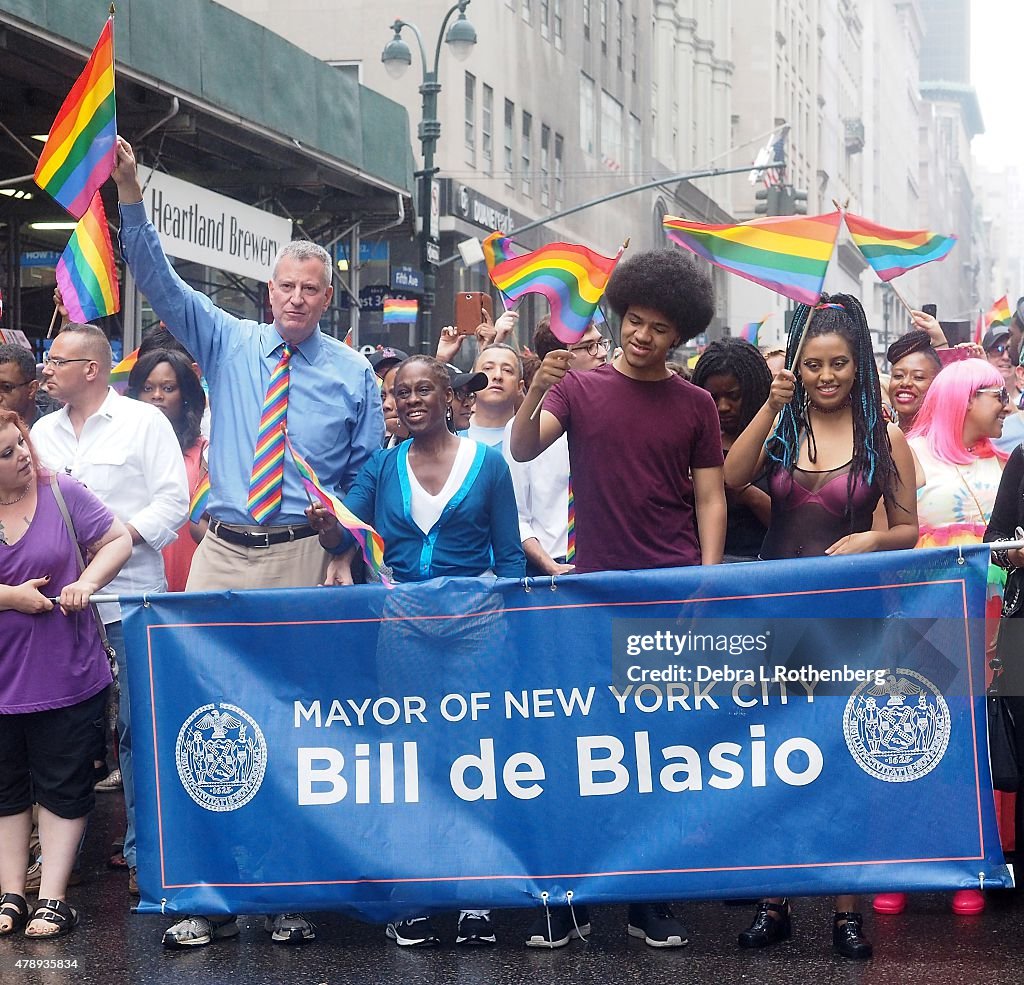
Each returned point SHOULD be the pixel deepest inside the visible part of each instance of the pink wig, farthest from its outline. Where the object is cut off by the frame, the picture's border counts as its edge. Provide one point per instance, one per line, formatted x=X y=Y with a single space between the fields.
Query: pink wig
x=940 y=421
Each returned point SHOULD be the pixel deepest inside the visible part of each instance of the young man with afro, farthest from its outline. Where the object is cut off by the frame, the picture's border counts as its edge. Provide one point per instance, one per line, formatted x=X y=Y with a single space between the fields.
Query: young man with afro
x=645 y=453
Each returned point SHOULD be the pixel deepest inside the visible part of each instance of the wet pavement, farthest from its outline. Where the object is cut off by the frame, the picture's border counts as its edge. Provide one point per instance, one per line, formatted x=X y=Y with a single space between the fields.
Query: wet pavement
x=926 y=944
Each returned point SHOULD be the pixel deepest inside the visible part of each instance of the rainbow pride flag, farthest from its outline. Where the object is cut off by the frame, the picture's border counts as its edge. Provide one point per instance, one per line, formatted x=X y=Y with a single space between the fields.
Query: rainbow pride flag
x=788 y=254
x=80 y=151
x=369 y=541
x=892 y=252
x=85 y=271
x=497 y=249
x=200 y=498
x=751 y=330
x=571 y=277
x=120 y=373
x=999 y=313
x=397 y=312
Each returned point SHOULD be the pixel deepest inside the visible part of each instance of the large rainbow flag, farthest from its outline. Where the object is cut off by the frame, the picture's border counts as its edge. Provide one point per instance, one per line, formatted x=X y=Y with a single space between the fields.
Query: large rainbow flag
x=369 y=541
x=80 y=151
x=571 y=277
x=85 y=270
x=398 y=312
x=892 y=252
x=788 y=254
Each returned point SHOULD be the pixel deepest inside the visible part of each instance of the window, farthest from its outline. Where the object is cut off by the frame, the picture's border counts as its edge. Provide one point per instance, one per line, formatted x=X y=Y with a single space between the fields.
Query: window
x=470 y=119
x=556 y=24
x=618 y=34
x=636 y=159
x=587 y=127
x=527 y=4
x=632 y=47
x=611 y=131
x=586 y=20
x=487 y=130
x=604 y=26
x=510 y=123
x=545 y=12
x=559 y=198
x=524 y=152
x=545 y=165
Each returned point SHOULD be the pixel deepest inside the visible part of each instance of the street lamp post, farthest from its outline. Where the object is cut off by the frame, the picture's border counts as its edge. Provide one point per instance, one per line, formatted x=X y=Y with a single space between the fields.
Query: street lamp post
x=397 y=57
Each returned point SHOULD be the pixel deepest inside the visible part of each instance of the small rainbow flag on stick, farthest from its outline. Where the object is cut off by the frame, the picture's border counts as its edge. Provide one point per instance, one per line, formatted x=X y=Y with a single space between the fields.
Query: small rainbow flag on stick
x=892 y=252
x=85 y=270
x=81 y=150
x=788 y=254
x=200 y=498
x=369 y=541
x=571 y=277
x=497 y=249
x=999 y=313
x=120 y=373
x=398 y=312
x=751 y=330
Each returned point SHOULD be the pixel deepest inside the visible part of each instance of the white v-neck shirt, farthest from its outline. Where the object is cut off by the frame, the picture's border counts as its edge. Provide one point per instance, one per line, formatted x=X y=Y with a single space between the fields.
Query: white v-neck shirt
x=426 y=509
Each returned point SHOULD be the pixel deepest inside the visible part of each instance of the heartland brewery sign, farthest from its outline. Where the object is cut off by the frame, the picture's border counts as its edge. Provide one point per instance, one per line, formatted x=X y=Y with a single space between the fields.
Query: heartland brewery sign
x=201 y=226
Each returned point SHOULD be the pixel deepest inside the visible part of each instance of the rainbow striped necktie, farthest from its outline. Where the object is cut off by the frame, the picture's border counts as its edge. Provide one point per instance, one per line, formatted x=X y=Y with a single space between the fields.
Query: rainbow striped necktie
x=267 y=480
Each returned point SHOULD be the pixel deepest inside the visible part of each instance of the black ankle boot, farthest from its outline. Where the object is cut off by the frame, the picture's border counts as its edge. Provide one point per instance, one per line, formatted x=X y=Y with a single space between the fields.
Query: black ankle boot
x=847 y=938
x=766 y=928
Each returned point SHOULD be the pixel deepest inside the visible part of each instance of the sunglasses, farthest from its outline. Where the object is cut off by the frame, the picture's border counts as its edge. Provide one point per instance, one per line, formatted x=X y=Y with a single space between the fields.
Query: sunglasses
x=1000 y=393
x=997 y=350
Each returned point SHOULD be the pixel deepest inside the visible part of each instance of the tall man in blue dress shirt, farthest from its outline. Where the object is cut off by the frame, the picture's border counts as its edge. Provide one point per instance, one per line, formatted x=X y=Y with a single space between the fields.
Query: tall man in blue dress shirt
x=334 y=420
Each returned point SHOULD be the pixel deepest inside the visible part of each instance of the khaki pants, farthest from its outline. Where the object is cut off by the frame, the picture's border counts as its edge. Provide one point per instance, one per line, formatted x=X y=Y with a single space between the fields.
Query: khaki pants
x=219 y=566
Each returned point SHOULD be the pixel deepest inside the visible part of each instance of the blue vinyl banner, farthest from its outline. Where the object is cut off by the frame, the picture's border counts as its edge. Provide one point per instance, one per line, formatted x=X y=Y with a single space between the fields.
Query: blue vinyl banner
x=780 y=728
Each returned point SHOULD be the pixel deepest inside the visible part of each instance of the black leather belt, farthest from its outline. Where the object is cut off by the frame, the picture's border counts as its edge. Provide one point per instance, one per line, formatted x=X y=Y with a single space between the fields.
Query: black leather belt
x=259 y=538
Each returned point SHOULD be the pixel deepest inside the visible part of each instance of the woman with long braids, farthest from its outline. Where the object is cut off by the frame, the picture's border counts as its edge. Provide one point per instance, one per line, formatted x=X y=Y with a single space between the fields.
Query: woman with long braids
x=841 y=481
x=735 y=374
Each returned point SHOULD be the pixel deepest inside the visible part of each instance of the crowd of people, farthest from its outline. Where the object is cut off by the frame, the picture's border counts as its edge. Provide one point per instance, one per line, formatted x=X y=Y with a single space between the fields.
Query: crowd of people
x=499 y=471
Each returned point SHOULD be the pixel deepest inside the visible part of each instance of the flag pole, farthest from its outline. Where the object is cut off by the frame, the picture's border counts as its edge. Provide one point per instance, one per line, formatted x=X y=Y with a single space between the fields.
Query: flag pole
x=53 y=321
x=902 y=300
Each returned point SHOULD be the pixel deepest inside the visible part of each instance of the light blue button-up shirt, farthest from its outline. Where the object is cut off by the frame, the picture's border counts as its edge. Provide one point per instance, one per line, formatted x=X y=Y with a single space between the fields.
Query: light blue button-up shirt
x=334 y=409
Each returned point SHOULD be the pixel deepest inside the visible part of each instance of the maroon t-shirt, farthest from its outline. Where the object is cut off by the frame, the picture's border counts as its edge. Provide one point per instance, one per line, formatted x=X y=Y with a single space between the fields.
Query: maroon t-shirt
x=632 y=445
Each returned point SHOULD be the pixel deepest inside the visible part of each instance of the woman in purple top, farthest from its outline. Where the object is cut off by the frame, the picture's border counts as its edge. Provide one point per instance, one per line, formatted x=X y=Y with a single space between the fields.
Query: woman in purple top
x=53 y=675
x=841 y=481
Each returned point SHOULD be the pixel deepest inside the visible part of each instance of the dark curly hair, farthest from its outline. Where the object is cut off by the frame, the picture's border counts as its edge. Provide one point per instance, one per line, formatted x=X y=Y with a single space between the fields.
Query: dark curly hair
x=735 y=357
x=842 y=315
x=670 y=282
x=193 y=399
x=915 y=341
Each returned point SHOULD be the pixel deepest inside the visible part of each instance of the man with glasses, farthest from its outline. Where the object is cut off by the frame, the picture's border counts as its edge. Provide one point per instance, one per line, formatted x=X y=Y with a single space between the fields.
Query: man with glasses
x=542 y=485
x=997 y=351
x=19 y=388
x=126 y=452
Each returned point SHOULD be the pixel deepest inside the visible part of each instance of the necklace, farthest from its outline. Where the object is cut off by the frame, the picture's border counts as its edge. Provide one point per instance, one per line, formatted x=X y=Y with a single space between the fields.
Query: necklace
x=828 y=410
x=17 y=499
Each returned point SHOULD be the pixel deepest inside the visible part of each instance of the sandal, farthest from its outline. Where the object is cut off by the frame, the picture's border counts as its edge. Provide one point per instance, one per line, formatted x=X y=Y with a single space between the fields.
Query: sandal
x=56 y=913
x=14 y=907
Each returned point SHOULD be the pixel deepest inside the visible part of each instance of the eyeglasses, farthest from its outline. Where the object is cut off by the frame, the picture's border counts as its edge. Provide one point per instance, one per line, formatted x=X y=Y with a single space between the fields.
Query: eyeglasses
x=56 y=362
x=997 y=350
x=8 y=388
x=465 y=396
x=594 y=348
x=1000 y=393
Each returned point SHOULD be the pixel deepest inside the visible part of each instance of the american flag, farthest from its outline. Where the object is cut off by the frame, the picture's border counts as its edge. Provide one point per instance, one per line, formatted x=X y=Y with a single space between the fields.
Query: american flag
x=773 y=152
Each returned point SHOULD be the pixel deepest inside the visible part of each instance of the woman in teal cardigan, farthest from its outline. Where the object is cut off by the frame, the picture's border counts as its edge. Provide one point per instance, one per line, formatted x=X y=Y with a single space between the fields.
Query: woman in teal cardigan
x=444 y=505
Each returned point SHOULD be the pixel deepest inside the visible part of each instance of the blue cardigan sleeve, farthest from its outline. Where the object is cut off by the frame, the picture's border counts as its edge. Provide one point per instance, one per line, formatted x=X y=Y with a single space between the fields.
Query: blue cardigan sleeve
x=509 y=559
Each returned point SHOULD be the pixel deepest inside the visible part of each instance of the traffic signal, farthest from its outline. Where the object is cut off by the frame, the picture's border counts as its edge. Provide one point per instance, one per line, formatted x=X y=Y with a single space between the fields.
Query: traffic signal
x=769 y=200
x=798 y=199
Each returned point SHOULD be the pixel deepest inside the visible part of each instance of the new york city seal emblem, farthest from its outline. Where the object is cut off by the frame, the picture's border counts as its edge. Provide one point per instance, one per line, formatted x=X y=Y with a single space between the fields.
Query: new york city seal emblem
x=897 y=730
x=221 y=756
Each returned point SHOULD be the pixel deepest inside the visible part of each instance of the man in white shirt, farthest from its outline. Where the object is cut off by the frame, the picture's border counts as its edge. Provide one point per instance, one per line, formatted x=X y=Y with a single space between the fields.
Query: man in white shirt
x=542 y=485
x=126 y=452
